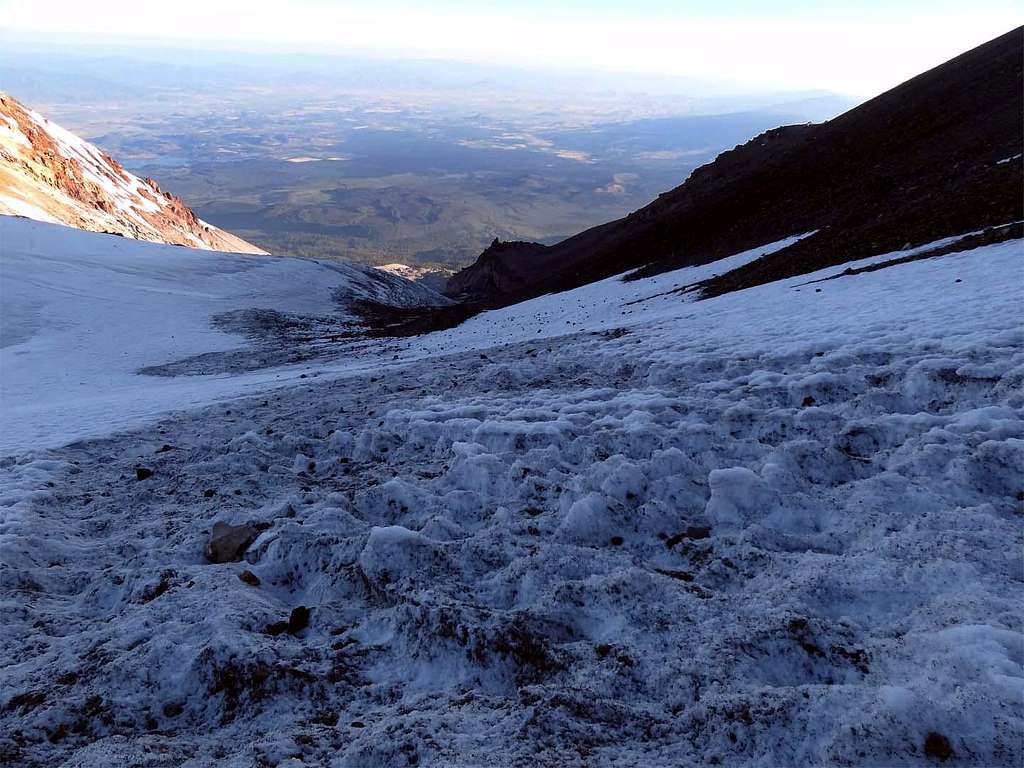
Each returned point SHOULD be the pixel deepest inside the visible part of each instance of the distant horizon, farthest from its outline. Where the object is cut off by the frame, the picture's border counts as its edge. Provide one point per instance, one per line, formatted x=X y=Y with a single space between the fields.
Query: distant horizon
x=159 y=50
x=857 y=49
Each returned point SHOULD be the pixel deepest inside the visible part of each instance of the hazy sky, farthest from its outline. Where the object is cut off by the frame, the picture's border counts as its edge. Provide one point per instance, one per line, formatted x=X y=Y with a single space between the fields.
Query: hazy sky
x=860 y=47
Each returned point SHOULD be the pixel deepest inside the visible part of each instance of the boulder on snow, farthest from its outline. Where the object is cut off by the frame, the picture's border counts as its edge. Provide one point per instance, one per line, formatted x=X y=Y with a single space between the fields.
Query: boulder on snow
x=228 y=542
x=937 y=745
x=277 y=628
x=298 y=620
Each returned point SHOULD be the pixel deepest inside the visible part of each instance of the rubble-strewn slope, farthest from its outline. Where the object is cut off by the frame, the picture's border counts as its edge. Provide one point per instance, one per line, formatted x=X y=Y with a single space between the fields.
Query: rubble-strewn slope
x=49 y=174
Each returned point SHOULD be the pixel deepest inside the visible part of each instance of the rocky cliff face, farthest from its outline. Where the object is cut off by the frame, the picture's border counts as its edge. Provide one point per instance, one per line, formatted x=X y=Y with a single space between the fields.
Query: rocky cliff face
x=49 y=174
x=496 y=271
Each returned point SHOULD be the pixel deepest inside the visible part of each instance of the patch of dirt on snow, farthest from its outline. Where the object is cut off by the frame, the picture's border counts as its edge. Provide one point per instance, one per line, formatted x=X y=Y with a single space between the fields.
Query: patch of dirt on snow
x=275 y=339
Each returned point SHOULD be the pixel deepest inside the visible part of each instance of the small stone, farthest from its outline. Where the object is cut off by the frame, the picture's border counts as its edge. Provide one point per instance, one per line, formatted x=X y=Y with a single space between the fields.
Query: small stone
x=692 y=532
x=228 y=542
x=298 y=620
x=277 y=628
x=358 y=724
x=808 y=401
x=697 y=532
x=616 y=541
x=249 y=578
x=141 y=473
x=326 y=718
x=165 y=448
x=937 y=745
x=209 y=493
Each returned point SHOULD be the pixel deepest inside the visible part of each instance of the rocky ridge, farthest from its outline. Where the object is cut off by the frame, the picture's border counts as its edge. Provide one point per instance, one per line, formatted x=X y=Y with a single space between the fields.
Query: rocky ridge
x=49 y=174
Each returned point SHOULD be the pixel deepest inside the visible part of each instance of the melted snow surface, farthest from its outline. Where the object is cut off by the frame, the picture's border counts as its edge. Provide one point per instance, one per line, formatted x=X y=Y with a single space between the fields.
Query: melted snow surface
x=779 y=527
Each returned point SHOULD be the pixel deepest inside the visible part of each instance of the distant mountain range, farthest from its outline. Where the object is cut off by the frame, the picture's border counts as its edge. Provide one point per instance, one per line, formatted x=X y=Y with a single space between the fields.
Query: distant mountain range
x=937 y=156
x=49 y=174
x=90 y=73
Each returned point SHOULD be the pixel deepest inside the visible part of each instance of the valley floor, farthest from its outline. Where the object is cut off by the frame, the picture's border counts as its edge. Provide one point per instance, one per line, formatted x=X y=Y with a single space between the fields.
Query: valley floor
x=780 y=527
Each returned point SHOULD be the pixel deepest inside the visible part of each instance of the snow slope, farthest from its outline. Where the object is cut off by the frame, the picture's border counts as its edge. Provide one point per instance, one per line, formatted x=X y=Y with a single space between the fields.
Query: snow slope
x=81 y=314
x=609 y=527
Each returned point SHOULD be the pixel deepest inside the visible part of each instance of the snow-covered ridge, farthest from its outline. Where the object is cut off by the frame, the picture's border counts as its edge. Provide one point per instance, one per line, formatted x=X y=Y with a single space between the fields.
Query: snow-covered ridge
x=49 y=174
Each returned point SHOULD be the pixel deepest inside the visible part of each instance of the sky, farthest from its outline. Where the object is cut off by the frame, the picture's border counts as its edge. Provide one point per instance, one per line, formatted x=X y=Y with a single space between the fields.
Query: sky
x=856 y=47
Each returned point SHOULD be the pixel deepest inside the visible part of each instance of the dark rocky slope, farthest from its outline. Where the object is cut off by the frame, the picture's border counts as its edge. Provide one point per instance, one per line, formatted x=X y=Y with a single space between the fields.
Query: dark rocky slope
x=917 y=163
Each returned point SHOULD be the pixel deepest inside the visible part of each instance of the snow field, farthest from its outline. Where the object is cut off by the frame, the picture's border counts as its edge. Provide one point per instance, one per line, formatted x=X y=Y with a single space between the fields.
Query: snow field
x=775 y=528
x=82 y=313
